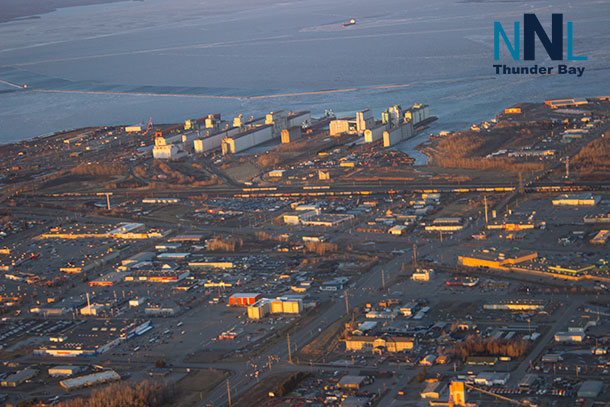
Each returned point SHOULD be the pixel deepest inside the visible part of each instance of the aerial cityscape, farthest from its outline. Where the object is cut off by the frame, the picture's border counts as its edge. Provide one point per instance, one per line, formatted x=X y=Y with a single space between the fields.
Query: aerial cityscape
x=276 y=213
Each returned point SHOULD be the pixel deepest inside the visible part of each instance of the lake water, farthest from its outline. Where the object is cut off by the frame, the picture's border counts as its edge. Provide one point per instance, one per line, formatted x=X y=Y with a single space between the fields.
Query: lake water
x=442 y=49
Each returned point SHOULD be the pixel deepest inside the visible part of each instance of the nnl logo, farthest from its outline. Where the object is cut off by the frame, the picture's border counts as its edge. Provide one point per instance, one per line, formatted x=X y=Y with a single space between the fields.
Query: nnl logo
x=532 y=28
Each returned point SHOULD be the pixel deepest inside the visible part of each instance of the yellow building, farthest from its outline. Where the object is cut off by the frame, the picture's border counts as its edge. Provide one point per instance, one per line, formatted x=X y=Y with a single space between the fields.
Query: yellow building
x=370 y=343
x=496 y=260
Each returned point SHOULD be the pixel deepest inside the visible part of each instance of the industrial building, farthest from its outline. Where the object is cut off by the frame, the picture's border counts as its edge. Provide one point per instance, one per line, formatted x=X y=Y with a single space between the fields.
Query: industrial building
x=560 y=103
x=16 y=379
x=584 y=199
x=298 y=119
x=248 y=139
x=417 y=114
x=398 y=134
x=353 y=125
x=375 y=133
x=291 y=134
x=213 y=141
x=352 y=382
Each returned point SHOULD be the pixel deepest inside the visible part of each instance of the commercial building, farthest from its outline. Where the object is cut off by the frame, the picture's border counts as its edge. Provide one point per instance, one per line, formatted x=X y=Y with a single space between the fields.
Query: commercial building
x=244 y=298
x=63 y=371
x=16 y=379
x=326 y=219
x=161 y=310
x=92 y=338
x=496 y=260
x=352 y=382
x=280 y=305
x=516 y=305
x=577 y=200
x=422 y=275
x=90 y=380
x=158 y=276
x=445 y=225
x=570 y=337
x=378 y=343
x=492 y=379
x=433 y=390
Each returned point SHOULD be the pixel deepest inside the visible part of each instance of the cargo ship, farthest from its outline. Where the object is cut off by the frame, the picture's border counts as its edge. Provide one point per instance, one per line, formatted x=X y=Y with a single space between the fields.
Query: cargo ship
x=348 y=23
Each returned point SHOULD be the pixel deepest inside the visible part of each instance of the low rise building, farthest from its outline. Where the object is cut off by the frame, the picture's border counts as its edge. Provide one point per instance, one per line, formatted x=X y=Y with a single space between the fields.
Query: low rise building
x=584 y=199
x=376 y=343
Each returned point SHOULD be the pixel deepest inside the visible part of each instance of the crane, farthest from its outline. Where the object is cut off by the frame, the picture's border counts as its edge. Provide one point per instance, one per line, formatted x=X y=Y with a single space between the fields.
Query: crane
x=457 y=397
x=148 y=127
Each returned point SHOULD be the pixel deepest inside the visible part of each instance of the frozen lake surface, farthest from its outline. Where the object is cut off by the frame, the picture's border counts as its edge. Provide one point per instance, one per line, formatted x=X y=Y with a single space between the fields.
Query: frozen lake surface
x=441 y=49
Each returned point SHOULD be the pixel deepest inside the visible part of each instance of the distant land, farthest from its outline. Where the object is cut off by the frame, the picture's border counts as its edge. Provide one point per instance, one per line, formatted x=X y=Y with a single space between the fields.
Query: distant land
x=19 y=9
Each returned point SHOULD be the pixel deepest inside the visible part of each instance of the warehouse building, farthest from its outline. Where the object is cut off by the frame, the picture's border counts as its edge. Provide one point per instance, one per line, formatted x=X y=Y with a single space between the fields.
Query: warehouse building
x=352 y=382
x=570 y=337
x=16 y=379
x=590 y=389
x=516 y=305
x=90 y=380
x=584 y=199
x=433 y=390
x=445 y=225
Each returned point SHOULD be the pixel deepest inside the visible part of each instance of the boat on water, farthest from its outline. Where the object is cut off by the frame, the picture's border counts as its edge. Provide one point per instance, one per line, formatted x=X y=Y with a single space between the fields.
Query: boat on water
x=348 y=23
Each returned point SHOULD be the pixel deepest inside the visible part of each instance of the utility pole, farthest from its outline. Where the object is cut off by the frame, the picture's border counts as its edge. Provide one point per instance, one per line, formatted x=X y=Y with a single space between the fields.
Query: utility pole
x=382 y=279
x=567 y=167
x=229 y=392
x=486 y=218
x=346 y=302
x=414 y=255
x=289 y=349
x=520 y=182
